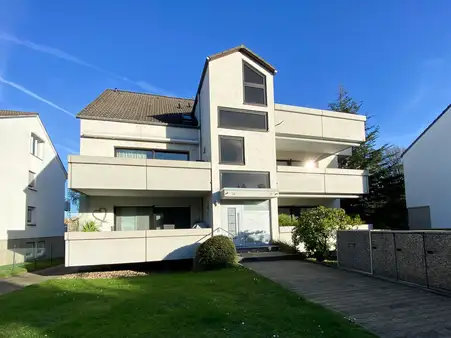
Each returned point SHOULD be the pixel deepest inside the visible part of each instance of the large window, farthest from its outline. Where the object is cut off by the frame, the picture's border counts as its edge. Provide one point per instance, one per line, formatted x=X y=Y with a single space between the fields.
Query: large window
x=247 y=120
x=150 y=218
x=231 y=150
x=244 y=179
x=254 y=84
x=152 y=154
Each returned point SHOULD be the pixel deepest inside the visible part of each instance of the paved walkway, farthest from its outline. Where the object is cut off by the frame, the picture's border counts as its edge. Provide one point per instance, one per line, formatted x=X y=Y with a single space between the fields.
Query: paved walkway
x=387 y=309
x=14 y=283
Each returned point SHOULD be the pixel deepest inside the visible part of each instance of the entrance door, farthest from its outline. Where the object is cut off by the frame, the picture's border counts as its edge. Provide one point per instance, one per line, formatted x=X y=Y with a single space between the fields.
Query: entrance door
x=247 y=223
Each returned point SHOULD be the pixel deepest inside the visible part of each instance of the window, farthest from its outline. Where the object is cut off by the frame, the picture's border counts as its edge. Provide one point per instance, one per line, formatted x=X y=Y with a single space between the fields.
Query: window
x=145 y=218
x=294 y=211
x=40 y=249
x=31 y=216
x=254 y=84
x=231 y=150
x=31 y=180
x=152 y=154
x=36 y=146
x=247 y=120
x=30 y=251
x=245 y=179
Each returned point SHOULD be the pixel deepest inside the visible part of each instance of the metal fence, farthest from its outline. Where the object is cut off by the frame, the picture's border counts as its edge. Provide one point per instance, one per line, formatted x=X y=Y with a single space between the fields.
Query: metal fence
x=26 y=256
x=418 y=257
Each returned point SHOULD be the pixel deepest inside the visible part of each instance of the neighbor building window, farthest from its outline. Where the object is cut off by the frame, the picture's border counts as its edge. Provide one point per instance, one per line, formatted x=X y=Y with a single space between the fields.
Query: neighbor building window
x=31 y=211
x=152 y=154
x=245 y=179
x=254 y=84
x=231 y=150
x=36 y=146
x=243 y=119
x=31 y=180
x=30 y=251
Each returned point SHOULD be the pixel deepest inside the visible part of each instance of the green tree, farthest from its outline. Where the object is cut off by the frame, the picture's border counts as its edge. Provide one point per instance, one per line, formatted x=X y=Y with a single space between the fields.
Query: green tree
x=384 y=205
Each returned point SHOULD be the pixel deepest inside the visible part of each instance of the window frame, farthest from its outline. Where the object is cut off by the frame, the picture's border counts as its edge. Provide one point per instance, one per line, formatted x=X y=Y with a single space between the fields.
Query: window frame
x=36 y=147
x=30 y=185
x=240 y=138
x=187 y=153
x=254 y=85
x=244 y=111
x=31 y=216
x=267 y=173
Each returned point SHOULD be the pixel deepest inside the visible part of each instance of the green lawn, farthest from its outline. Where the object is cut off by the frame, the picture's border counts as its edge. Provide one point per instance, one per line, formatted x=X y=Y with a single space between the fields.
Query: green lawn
x=226 y=303
x=9 y=270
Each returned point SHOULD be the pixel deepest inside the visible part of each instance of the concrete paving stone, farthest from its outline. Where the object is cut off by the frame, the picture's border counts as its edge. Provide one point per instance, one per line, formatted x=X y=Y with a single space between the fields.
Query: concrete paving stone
x=386 y=308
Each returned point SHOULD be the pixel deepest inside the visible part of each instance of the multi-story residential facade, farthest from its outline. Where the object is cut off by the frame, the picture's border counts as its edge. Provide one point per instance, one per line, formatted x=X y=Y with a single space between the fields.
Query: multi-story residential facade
x=160 y=174
x=428 y=196
x=32 y=181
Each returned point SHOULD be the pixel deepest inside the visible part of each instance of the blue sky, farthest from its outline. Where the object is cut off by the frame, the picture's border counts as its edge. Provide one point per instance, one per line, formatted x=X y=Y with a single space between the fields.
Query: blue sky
x=395 y=56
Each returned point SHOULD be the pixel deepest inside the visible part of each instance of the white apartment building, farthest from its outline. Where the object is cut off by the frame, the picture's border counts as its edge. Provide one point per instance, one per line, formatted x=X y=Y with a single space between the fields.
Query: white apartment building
x=159 y=175
x=426 y=176
x=32 y=183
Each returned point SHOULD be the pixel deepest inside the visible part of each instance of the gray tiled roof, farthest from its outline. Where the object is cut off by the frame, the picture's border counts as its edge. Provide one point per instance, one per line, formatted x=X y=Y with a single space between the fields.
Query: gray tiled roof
x=124 y=106
x=14 y=113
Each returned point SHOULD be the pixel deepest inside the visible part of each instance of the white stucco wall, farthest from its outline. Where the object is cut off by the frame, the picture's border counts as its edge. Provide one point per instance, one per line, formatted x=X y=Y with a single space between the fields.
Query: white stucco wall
x=316 y=123
x=427 y=168
x=48 y=197
x=101 y=209
x=100 y=138
x=226 y=90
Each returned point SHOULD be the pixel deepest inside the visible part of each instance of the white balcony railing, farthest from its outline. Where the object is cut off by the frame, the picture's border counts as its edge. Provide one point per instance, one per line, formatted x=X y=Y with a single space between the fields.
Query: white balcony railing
x=299 y=180
x=93 y=172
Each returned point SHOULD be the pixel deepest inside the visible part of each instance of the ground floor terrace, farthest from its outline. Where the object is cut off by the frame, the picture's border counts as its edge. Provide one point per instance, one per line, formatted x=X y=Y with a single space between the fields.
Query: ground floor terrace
x=168 y=226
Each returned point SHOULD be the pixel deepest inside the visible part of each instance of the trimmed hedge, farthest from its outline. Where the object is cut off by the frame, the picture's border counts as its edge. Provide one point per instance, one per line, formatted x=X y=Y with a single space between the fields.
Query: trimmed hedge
x=215 y=253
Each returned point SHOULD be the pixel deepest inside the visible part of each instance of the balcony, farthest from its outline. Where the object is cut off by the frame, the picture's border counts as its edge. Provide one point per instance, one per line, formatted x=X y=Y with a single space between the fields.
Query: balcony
x=317 y=131
x=296 y=181
x=93 y=175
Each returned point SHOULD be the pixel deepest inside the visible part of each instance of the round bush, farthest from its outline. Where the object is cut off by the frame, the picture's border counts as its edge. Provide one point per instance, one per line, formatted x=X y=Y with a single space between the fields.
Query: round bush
x=215 y=253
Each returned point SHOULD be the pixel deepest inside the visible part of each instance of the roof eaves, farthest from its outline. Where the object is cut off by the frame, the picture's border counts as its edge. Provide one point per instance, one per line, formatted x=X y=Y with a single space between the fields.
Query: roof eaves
x=425 y=131
x=112 y=119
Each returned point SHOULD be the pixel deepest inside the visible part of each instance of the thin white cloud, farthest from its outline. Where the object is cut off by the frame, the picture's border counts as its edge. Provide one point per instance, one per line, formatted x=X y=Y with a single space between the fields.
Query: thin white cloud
x=71 y=58
x=67 y=149
x=34 y=95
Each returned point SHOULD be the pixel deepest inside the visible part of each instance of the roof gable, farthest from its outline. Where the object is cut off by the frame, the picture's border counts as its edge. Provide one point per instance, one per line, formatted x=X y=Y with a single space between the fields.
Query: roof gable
x=427 y=129
x=246 y=51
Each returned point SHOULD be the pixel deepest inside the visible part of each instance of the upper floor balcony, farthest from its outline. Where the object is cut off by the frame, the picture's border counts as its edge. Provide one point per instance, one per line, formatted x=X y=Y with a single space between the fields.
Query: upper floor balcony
x=317 y=131
x=93 y=175
x=321 y=181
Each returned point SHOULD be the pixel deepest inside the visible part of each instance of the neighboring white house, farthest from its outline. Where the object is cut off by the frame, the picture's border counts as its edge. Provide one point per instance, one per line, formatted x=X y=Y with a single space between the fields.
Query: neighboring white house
x=32 y=180
x=427 y=168
x=161 y=174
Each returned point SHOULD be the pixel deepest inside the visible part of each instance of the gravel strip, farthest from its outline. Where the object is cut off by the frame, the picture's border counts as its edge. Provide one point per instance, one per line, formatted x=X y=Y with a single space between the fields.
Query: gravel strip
x=104 y=274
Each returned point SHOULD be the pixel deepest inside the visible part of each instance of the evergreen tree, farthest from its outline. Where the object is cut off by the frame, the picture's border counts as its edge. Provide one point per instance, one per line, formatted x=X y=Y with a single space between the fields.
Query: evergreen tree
x=384 y=205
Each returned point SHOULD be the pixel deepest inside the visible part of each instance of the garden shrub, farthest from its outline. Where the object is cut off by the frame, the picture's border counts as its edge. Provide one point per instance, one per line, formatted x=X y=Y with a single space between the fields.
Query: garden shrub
x=215 y=253
x=286 y=220
x=317 y=229
x=90 y=226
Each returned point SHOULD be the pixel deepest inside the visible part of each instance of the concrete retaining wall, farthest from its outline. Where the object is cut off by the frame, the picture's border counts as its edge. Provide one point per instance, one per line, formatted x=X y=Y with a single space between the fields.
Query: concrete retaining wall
x=419 y=257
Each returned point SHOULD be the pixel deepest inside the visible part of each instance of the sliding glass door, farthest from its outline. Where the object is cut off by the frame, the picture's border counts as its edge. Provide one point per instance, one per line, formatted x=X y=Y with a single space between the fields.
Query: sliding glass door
x=151 y=218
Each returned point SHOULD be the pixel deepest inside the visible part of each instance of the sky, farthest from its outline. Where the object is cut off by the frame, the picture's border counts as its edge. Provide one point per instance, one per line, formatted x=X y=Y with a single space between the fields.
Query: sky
x=394 y=56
